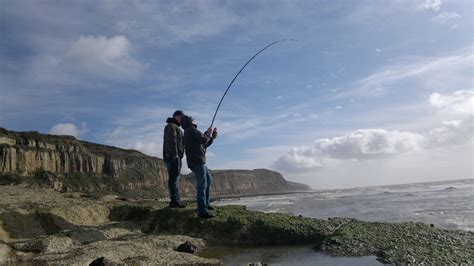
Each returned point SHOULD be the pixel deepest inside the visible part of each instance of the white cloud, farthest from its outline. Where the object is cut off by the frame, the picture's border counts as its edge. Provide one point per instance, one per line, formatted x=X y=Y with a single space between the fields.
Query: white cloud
x=108 y=57
x=140 y=128
x=445 y=17
x=453 y=132
x=68 y=129
x=147 y=138
x=368 y=144
x=358 y=145
x=459 y=102
x=429 y=4
x=407 y=74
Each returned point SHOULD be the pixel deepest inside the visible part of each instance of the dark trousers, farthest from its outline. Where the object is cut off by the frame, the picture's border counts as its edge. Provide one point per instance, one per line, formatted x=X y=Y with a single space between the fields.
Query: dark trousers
x=203 y=186
x=174 y=170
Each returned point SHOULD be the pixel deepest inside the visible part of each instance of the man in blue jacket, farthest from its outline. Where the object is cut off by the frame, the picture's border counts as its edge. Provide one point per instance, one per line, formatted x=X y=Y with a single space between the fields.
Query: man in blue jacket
x=196 y=143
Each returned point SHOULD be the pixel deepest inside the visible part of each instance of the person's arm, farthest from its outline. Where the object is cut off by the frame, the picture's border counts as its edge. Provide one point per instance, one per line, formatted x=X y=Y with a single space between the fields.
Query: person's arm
x=202 y=138
x=171 y=141
x=211 y=140
x=213 y=136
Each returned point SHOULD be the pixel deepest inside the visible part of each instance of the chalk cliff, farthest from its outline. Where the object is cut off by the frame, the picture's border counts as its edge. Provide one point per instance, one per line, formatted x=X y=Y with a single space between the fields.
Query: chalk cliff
x=65 y=163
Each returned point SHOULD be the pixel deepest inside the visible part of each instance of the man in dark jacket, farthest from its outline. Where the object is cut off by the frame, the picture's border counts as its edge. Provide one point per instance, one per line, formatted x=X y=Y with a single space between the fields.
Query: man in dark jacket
x=173 y=151
x=196 y=144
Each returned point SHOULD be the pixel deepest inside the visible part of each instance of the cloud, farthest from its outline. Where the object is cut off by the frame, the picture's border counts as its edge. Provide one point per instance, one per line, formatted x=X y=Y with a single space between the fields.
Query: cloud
x=99 y=55
x=357 y=145
x=453 y=132
x=445 y=17
x=165 y=23
x=434 y=5
x=68 y=129
x=147 y=139
x=459 y=102
x=406 y=74
x=369 y=144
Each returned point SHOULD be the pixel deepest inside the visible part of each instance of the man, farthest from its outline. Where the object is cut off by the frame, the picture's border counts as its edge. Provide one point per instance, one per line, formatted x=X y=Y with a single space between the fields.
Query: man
x=196 y=144
x=173 y=151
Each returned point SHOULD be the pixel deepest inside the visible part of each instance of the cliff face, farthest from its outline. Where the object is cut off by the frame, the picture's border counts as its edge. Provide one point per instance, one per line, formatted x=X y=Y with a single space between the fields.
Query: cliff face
x=250 y=182
x=66 y=163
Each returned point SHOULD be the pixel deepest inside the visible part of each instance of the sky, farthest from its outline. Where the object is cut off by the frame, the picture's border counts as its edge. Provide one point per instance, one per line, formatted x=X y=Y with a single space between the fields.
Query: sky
x=371 y=93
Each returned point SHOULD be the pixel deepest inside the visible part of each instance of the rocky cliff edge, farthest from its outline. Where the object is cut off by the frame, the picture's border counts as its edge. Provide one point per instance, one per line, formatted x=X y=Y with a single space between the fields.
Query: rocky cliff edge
x=67 y=164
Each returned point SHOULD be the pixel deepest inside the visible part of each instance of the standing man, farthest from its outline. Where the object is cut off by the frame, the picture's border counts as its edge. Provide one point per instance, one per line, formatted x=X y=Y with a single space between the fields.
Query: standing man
x=173 y=151
x=196 y=144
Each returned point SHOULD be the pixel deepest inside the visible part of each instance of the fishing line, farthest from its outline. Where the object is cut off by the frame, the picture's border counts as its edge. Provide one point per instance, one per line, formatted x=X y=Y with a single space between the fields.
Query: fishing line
x=238 y=73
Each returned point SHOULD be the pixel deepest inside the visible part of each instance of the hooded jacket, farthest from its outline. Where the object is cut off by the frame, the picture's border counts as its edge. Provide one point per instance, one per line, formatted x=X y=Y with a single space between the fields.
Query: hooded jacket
x=195 y=143
x=173 y=140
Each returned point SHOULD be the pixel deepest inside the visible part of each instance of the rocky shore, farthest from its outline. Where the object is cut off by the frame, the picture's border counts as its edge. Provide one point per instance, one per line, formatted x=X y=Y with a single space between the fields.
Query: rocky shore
x=40 y=226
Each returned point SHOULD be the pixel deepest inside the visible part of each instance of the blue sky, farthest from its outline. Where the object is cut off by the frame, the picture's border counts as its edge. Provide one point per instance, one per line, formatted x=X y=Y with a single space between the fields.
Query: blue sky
x=374 y=92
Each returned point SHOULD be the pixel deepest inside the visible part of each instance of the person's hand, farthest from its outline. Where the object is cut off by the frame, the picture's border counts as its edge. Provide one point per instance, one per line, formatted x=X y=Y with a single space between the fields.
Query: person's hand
x=209 y=130
x=214 y=133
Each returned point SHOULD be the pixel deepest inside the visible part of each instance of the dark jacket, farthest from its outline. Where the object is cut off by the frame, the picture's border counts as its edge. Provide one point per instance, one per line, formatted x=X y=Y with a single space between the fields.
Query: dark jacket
x=173 y=140
x=196 y=143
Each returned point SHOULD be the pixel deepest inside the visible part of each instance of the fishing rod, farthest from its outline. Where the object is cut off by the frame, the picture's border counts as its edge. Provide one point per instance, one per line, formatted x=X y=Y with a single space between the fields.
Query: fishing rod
x=238 y=73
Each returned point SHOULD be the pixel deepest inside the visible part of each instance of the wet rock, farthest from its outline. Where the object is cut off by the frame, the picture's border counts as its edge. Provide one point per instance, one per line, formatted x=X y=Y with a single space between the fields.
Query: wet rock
x=187 y=247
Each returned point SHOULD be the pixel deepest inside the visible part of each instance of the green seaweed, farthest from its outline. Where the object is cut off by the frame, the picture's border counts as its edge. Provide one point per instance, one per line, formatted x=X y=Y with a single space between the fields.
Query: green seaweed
x=390 y=242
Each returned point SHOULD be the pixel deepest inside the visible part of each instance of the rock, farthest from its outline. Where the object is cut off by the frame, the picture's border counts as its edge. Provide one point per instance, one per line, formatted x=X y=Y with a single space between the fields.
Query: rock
x=58 y=186
x=187 y=247
x=109 y=198
x=4 y=253
x=52 y=228
x=236 y=225
x=136 y=250
x=102 y=261
x=396 y=243
x=53 y=243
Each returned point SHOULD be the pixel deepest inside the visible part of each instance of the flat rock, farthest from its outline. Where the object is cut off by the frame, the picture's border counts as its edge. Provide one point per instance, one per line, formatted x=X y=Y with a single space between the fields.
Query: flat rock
x=150 y=250
x=46 y=244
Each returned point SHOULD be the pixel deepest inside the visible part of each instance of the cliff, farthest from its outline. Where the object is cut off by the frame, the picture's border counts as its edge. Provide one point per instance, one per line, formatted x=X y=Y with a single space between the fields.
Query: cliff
x=250 y=182
x=68 y=164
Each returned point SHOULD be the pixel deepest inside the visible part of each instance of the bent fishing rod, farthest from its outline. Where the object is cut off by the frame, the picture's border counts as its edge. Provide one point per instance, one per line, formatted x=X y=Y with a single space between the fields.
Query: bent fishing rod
x=238 y=73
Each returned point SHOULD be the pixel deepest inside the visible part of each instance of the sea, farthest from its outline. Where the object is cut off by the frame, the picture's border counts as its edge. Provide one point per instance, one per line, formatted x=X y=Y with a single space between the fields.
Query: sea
x=446 y=204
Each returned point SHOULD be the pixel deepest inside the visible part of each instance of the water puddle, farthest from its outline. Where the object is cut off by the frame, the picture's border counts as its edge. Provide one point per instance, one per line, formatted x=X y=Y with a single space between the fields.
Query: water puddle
x=281 y=255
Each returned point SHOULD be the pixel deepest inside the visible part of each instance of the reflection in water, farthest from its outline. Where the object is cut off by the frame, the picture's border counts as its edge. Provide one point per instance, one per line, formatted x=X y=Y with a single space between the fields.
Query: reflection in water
x=281 y=255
